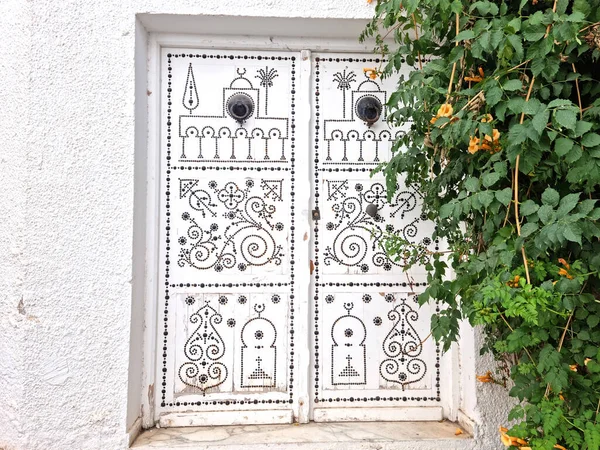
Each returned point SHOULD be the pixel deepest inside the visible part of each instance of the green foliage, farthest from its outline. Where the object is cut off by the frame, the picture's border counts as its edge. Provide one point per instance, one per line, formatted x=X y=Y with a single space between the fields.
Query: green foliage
x=522 y=79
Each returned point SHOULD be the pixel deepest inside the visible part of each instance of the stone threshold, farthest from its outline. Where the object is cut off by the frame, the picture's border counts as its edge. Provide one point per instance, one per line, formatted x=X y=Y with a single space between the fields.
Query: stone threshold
x=317 y=436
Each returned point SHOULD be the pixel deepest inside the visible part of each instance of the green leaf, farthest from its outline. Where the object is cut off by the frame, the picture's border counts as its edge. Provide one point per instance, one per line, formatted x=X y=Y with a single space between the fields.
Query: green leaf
x=582 y=127
x=456 y=54
x=472 y=184
x=567 y=204
x=566 y=118
x=514 y=25
x=528 y=229
x=546 y=213
x=540 y=120
x=592 y=321
x=516 y=43
x=534 y=33
x=586 y=206
x=496 y=38
x=484 y=7
x=592 y=435
x=574 y=154
x=550 y=197
x=532 y=106
x=560 y=102
x=517 y=134
x=456 y=7
x=464 y=35
x=572 y=232
x=493 y=95
x=489 y=179
x=548 y=358
x=446 y=210
x=528 y=207
x=562 y=146
x=590 y=140
x=486 y=198
x=504 y=196
x=513 y=85
x=582 y=6
x=561 y=6
x=575 y=17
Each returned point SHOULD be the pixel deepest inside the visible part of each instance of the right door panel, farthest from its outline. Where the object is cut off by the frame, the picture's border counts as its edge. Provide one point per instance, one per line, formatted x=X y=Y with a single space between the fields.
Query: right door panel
x=371 y=338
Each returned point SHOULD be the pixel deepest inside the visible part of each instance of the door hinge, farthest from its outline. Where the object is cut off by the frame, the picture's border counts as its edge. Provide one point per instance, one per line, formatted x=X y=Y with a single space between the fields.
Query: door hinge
x=316 y=214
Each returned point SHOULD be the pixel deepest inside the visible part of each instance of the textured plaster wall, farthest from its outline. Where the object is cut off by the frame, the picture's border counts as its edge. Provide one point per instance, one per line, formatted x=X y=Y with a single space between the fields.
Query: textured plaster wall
x=14 y=323
x=67 y=171
x=492 y=405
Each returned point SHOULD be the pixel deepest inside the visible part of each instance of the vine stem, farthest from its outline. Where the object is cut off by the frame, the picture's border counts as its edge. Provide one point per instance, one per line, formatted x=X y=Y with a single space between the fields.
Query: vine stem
x=589 y=26
x=516 y=191
x=417 y=36
x=523 y=253
x=578 y=93
x=457 y=24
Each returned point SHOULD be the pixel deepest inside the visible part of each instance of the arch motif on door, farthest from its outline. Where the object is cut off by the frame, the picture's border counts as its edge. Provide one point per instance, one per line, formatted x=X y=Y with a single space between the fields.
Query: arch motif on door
x=259 y=353
x=348 y=352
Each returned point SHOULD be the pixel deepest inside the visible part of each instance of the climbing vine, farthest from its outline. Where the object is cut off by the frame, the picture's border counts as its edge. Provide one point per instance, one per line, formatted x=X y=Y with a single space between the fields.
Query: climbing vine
x=504 y=144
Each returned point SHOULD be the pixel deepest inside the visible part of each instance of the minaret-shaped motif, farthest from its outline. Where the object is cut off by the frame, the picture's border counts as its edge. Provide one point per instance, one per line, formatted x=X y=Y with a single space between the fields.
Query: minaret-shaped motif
x=259 y=352
x=348 y=351
x=190 y=94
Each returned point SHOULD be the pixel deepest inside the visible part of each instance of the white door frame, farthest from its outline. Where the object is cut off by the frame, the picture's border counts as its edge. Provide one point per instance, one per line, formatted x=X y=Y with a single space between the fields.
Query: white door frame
x=156 y=41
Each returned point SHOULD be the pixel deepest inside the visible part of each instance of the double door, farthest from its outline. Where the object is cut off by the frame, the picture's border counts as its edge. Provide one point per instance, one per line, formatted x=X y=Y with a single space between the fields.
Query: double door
x=278 y=302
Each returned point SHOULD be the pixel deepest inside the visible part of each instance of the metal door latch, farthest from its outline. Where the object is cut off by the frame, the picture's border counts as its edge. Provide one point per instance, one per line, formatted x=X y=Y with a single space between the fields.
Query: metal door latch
x=316 y=214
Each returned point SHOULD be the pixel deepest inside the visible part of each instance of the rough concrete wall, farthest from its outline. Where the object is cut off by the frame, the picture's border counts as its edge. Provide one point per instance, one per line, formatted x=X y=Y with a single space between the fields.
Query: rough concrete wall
x=493 y=404
x=67 y=162
x=14 y=323
x=67 y=168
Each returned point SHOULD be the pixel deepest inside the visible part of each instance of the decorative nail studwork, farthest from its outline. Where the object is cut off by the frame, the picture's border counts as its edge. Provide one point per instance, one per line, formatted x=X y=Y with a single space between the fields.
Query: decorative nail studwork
x=228 y=213
x=360 y=295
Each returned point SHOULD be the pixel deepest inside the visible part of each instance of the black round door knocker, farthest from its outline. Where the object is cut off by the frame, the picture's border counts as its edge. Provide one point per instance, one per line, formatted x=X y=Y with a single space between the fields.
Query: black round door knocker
x=368 y=109
x=240 y=107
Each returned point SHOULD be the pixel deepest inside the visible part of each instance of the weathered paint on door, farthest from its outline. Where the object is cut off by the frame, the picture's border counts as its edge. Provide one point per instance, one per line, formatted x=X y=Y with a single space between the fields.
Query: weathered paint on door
x=371 y=337
x=228 y=231
x=229 y=337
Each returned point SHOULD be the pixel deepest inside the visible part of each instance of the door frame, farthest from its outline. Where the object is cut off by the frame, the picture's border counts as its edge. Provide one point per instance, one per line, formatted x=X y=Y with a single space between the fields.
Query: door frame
x=156 y=41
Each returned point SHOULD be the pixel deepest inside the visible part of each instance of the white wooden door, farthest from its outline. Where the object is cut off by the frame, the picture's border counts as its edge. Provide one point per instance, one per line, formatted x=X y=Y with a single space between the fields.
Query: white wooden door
x=234 y=320
x=227 y=336
x=371 y=359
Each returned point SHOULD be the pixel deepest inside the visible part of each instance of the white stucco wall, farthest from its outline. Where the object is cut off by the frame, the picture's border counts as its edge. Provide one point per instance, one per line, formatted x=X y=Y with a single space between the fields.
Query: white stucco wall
x=68 y=100
x=14 y=73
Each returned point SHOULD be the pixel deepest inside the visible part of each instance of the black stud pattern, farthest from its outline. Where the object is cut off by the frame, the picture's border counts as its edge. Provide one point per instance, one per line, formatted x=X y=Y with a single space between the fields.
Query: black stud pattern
x=349 y=246
x=252 y=237
x=234 y=192
x=348 y=350
x=204 y=350
x=402 y=347
x=260 y=335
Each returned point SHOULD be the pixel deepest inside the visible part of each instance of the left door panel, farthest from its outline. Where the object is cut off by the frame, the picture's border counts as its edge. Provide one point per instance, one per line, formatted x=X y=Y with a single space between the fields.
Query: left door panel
x=226 y=321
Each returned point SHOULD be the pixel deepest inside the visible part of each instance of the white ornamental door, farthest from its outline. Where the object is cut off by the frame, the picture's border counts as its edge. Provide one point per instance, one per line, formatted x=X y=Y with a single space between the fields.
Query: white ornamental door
x=236 y=313
x=372 y=358
x=226 y=341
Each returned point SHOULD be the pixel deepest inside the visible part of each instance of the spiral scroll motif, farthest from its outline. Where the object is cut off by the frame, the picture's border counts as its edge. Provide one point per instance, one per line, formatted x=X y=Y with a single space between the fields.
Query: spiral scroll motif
x=250 y=237
x=357 y=239
x=402 y=347
x=203 y=349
